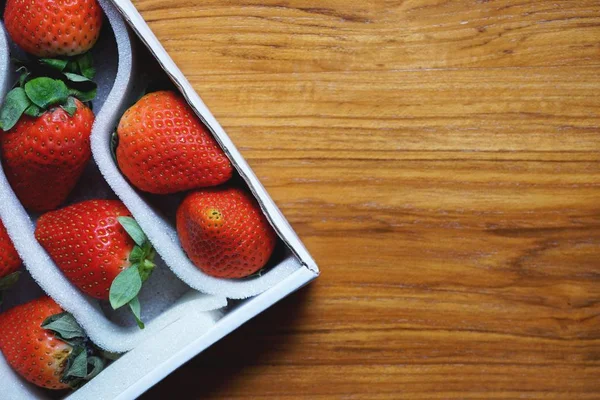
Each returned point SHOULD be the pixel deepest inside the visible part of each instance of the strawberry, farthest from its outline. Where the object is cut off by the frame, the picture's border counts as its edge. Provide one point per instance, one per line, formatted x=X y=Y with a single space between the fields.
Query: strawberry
x=9 y=261
x=100 y=249
x=224 y=232
x=9 y=258
x=46 y=346
x=164 y=148
x=49 y=28
x=45 y=156
x=46 y=142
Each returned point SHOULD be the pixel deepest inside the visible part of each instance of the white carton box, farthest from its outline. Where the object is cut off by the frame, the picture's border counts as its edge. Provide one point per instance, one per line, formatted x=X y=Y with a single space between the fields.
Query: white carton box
x=181 y=326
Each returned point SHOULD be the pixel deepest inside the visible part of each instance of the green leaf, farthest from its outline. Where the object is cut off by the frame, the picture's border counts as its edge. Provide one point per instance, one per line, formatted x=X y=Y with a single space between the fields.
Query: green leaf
x=76 y=78
x=45 y=92
x=54 y=63
x=89 y=73
x=83 y=96
x=85 y=64
x=33 y=111
x=70 y=106
x=72 y=66
x=86 y=67
x=96 y=364
x=9 y=280
x=125 y=287
x=14 y=106
x=136 y=310
x=78 y=367
x=64 y=326
x=136 y=255
x=24 y=75
x=133 y=229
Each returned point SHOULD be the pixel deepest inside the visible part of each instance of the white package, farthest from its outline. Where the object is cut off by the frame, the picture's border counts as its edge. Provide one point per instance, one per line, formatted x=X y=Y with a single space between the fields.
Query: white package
x=190 y=332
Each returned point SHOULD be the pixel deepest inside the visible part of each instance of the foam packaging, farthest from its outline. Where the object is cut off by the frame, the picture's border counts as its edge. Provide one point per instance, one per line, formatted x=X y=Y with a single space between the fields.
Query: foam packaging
x=184 y=310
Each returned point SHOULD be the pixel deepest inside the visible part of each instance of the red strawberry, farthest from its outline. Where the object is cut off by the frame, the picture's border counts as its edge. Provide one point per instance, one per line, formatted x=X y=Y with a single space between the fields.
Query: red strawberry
x=44 y=157
x=9 y=262
x=9 y=258
x=44 y=355
x=164 y=147
x=224 y=232
x=49 y=28
x=99 y=248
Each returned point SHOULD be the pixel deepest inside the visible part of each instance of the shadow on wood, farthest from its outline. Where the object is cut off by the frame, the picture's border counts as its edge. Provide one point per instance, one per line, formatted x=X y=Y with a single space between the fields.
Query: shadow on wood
x=219 y=366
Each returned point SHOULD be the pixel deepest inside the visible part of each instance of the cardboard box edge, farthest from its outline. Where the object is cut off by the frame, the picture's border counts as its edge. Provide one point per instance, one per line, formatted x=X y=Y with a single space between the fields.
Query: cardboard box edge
x=230 y=322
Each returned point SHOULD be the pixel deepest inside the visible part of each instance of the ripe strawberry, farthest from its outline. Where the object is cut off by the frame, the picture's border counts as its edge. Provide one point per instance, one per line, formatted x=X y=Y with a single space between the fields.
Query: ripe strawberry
x=43 y=157
x=9 y=258
x=49 y=28
x=9 y=262
x=164 y=148
x=46 y=346
x=224 y=232
x=99 y=248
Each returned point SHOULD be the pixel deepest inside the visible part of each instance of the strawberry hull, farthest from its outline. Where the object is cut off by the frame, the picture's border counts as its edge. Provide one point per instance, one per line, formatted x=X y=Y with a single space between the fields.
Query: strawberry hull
x=185 y=310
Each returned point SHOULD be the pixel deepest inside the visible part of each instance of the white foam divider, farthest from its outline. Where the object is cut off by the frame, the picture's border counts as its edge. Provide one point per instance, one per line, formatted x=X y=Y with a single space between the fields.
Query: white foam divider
x=162 y=297
x=162 y=231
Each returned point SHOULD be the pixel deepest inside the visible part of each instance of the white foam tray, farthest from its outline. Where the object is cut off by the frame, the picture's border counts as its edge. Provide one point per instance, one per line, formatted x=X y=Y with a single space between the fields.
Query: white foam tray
x=181 y=314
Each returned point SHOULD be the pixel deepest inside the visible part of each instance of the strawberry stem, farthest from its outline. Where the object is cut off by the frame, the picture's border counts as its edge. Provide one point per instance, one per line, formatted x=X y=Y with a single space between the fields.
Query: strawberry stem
x=126 y=287
x=47 y=83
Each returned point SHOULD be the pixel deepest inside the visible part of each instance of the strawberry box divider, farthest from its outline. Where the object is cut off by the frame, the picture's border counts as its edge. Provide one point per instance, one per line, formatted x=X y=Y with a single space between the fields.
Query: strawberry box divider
x=156 y=216
x=165 y=299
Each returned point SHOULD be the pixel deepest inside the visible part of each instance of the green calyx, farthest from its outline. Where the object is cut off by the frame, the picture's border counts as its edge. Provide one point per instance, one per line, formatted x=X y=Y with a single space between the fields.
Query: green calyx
x=80 y=65
x=125 y=288
x=85 y=361
x=48 y=83
x=7 y=282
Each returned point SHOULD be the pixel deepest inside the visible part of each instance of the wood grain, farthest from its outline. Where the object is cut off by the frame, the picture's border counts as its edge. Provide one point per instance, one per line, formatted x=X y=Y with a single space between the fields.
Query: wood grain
x=441 y=161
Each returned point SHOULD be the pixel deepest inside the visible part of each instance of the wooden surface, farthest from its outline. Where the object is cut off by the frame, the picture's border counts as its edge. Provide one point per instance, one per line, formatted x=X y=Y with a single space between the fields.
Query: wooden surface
x=440 y=159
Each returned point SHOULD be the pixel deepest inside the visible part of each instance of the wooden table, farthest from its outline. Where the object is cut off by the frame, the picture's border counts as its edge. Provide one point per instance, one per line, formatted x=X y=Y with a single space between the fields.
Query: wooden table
x=440 y=159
